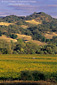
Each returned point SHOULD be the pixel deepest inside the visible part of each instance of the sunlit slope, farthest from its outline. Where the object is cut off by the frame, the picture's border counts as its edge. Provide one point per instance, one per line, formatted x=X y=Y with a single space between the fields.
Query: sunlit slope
x=38 y=42
x=29 y=39
x=6 y=23
x=33 y=22
x=49 y=35
x=8 y=39
x=24 y=37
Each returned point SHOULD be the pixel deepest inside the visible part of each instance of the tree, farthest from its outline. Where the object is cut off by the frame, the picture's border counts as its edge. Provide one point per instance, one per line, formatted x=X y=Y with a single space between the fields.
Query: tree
x=13 y=36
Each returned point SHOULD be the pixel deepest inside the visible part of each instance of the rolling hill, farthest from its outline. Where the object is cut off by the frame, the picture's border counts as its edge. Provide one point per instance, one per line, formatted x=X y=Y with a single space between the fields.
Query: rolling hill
x=36 y=25
x=36 y=29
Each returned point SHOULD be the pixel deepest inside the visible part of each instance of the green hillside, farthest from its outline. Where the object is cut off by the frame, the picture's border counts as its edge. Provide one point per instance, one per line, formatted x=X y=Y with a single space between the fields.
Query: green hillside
x=38 y=30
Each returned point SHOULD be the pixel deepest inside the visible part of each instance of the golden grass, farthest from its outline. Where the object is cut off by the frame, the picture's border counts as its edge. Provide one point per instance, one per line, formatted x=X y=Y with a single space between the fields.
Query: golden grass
x=33 y=22
x=3 y=37
x=25 y=37
x=24 y=26
x=6 y=23
x=38 y=42
x=49 y=35
x=29 y=39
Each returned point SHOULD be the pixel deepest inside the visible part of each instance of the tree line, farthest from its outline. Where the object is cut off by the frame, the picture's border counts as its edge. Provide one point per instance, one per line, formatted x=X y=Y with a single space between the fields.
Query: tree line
x=21 y=47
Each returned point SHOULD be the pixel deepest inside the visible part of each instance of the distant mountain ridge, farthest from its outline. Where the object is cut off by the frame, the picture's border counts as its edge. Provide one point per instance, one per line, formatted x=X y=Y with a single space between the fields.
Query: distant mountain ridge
x=32 y=16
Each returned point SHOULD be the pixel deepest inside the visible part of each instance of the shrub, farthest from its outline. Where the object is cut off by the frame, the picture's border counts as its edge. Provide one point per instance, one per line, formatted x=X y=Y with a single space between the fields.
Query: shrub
x=54 y=76
x=38 y=75
x=32 y=75
x=26 y=75
x=13 y=36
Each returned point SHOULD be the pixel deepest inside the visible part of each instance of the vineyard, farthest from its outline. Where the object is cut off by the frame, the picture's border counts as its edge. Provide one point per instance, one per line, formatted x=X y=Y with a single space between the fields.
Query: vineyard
x=11 y=66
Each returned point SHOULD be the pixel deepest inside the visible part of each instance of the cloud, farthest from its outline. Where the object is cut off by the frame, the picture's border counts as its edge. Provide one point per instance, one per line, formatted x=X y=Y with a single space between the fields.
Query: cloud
x=5 y=13
x=26 y=7
x=52 y=5
x=18 y=1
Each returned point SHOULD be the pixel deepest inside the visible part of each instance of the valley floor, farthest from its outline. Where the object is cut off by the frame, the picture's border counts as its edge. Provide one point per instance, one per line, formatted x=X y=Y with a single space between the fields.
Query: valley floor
x=20 y=67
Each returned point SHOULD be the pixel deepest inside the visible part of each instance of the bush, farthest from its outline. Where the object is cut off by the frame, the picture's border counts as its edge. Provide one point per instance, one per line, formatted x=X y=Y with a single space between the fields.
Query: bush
x=38 y=75
x=13 y=36
x=54 y=76
x=0 y=33
x=26 y=75
x=32 y=75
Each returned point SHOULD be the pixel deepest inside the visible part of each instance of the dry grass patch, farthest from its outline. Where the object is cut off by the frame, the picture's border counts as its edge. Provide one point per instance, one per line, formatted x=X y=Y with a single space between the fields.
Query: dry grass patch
x=25 y=37
x=49 y=35
x=7 y=38
x=38 y=42
x=24 y=26
x=6 y=23
x=29 y=39
x=33 y=22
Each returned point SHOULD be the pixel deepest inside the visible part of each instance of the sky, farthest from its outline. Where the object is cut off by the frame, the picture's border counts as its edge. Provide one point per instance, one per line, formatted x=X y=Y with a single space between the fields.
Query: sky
x=27 y=7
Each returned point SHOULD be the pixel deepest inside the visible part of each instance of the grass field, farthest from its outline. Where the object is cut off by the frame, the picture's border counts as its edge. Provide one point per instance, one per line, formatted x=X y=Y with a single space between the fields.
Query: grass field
x=11 y=65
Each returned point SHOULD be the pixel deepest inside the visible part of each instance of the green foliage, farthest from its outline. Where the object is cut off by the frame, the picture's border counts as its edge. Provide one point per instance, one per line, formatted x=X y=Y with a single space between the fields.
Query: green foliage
x=32 y=75
x=48 y=24
x=5 y=47
x=0 y=33
x=13 y=36
x=26 y=75
x=36 y=31
x=38 y=76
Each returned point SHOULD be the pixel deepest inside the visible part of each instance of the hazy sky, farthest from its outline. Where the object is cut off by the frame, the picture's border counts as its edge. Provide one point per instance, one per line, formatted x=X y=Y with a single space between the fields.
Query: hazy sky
x=27 y=7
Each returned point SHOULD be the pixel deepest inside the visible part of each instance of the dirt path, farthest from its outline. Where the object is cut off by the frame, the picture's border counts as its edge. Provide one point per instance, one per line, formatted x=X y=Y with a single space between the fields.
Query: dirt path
x=27 y=83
